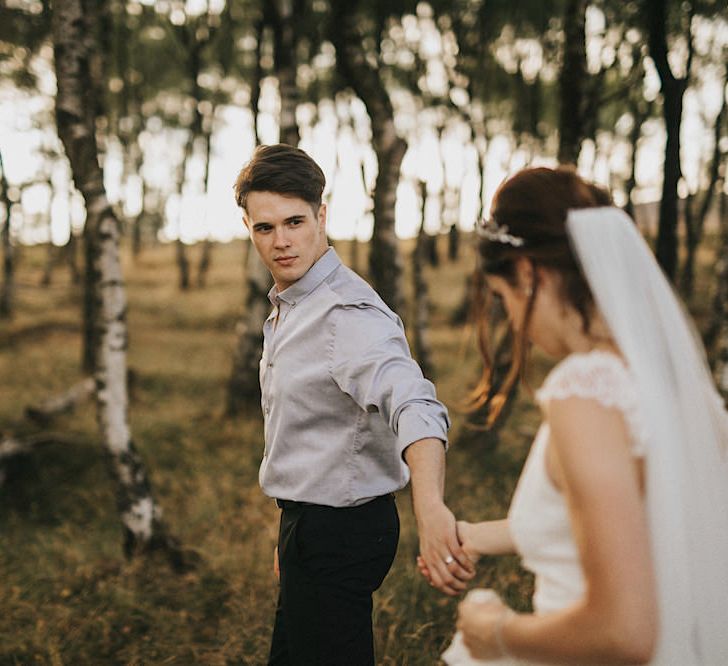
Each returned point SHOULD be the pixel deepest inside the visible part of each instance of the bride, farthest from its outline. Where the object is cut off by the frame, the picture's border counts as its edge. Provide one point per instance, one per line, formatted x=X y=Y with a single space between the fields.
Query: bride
x=621 y=510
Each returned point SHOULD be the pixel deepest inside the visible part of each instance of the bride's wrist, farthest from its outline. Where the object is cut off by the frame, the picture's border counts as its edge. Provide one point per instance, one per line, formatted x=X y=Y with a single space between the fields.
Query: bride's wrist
x=499 y=629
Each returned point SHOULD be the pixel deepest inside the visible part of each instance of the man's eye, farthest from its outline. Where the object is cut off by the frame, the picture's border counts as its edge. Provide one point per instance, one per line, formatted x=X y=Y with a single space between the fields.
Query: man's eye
x=295 y=222
x=263 y=228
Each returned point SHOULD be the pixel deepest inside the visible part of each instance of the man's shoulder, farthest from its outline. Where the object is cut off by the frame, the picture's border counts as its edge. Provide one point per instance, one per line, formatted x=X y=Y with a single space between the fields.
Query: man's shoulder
x=353 y=293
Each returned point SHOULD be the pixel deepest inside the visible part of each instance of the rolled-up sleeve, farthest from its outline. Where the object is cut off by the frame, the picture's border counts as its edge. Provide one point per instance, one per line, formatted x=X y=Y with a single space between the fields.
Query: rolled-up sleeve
x=370 y=361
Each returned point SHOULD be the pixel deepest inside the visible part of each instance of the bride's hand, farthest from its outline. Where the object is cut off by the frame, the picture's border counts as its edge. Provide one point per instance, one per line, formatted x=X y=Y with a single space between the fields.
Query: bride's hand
x=464 y=533
x=479 y=622
x=466 y=537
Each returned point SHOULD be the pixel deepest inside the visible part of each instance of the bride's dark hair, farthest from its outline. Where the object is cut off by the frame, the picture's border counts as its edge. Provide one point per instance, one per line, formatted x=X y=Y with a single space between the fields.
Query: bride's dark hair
x=533 y=205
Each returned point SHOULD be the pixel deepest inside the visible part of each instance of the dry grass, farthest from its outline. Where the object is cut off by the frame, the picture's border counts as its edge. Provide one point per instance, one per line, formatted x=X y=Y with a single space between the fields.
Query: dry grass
x=67 y=594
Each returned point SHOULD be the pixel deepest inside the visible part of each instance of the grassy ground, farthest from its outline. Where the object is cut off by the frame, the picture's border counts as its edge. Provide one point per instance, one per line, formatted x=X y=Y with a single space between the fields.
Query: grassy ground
x=68 y=596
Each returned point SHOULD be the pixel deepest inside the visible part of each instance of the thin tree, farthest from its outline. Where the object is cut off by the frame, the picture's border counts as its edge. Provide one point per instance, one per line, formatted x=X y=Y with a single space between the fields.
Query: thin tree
x=355 y=67
x=697 y=207
x=284 y=16
x=718 y=337
x=8 y=288
x=421 y=327
x=571 y=84
x=673 y=88
x=73 y=41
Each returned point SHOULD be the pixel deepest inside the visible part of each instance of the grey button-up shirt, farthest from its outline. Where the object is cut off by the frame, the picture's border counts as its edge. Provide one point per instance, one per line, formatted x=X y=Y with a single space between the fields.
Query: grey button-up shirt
x=341 y=396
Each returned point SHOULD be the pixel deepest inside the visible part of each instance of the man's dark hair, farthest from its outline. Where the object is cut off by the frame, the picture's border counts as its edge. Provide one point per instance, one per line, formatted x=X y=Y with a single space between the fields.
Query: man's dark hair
x=282 y=169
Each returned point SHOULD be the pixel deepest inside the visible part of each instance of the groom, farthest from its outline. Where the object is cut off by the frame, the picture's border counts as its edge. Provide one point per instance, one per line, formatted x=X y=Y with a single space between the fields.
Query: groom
x=349 y=418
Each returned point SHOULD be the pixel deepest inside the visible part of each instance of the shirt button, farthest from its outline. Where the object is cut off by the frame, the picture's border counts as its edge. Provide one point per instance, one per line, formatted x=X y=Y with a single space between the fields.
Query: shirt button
x=270 y=364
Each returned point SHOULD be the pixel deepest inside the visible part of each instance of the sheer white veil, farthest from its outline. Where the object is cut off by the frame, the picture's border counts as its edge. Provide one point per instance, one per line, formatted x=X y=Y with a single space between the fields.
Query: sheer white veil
x=687 y=425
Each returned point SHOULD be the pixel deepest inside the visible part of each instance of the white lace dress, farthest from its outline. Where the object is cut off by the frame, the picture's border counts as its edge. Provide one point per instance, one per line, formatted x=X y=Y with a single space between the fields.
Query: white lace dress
x=538 y=517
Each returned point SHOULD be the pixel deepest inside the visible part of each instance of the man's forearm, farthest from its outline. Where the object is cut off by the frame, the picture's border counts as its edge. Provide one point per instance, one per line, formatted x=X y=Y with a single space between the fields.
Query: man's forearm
x=426 y=460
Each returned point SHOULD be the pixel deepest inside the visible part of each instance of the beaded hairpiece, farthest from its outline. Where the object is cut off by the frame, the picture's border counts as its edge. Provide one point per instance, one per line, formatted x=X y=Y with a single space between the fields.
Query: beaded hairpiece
x=499 y=234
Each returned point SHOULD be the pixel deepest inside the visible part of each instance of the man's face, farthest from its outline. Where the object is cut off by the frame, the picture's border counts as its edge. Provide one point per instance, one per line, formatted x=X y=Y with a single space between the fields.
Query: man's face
x=287 y=234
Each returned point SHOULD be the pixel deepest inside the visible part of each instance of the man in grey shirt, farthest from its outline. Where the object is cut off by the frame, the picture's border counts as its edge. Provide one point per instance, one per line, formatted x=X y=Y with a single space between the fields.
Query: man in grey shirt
x=349 y=418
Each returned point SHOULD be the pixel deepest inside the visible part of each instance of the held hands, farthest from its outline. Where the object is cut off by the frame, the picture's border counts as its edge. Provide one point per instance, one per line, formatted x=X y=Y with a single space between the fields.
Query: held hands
x=442 y=560
x=464 y=535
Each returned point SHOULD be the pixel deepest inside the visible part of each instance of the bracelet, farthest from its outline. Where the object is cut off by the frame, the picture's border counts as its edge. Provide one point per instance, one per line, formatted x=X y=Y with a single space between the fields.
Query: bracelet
x=500 y=642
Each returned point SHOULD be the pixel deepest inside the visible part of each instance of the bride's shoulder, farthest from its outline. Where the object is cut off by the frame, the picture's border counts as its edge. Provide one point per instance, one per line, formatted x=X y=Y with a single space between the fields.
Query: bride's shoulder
x=599 y=375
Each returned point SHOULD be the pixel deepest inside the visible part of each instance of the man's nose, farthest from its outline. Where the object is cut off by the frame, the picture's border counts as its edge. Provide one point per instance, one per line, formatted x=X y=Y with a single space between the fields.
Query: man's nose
x=280 y=237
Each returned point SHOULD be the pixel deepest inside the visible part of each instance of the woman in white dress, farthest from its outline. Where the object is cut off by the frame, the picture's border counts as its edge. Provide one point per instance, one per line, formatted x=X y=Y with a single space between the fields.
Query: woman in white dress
x=621 y=510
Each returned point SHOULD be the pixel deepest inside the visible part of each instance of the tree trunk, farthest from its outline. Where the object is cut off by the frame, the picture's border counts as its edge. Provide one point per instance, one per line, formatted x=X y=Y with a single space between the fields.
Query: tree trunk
x=695 y=219
x=69 y=253
x=286 y=45
x=206 y=256
x=673 y=90
x=640 y=110
x=385 y=263
x=244 y=384
x=421 y=328
x=75 y=116
x=571 y=85
x=720 y=308
x=257 y=78
x=7 y=291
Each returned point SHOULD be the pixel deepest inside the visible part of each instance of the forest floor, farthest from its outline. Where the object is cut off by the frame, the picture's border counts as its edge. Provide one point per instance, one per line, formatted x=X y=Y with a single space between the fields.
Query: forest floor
x=67 y=593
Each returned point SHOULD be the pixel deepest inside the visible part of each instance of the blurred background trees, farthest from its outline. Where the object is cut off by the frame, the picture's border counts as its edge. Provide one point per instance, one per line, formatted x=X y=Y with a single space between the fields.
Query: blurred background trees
x=415 y=110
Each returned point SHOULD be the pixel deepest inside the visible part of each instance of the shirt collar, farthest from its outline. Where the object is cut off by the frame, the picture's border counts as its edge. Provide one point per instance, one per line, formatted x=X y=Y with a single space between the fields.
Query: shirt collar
x=326 y=264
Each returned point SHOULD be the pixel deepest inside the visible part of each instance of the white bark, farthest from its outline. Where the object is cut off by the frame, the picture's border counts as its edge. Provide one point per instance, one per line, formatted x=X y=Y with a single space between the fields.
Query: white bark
x=73 y=36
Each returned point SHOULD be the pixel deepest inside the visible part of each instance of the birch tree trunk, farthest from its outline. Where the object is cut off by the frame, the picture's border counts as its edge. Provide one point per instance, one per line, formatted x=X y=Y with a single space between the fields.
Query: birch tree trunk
x=673 y=89
x=8 y=288
x=75 y=116
x=571 y=85
x=354 y=65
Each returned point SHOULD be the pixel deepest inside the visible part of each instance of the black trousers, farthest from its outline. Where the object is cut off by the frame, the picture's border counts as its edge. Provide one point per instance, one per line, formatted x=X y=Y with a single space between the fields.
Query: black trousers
x=331 y=561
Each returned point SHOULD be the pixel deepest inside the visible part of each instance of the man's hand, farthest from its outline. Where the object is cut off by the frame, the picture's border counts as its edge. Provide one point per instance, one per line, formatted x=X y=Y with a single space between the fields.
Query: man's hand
x=448 y=567
x=442 y=559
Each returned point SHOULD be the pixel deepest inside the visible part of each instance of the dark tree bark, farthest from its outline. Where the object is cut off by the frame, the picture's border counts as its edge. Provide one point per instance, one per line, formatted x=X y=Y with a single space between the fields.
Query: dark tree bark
x=421 y=328
x=697 y=207
x=76 y=121
x=283 y=17
x=719 y=343
x=7 y=291
x=257 y=78
x=244 y=385
x=385 y=263
x=673 y=89
x=571 y=85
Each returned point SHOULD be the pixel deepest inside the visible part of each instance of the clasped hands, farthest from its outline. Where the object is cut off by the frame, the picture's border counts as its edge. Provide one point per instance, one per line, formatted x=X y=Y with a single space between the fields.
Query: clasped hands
x=479 y=617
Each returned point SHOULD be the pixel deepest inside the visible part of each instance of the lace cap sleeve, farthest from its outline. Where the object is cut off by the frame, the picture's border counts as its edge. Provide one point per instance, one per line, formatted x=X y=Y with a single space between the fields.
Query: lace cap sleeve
x=600 y=376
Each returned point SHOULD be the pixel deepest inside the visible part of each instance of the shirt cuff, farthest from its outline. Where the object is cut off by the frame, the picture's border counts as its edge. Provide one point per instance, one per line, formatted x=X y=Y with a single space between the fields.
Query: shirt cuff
x=413 y=426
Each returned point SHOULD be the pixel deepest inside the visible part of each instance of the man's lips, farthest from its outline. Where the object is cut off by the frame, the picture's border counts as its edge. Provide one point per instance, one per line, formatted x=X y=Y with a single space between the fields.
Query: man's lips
x=285 y=261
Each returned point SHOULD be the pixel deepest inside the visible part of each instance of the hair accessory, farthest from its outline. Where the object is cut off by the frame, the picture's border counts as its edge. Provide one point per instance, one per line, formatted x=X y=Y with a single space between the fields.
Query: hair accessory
x=495 y=232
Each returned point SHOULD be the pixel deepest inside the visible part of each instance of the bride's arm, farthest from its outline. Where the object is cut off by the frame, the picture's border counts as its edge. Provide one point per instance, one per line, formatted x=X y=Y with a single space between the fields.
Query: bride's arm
x=616 y=621
x=491 y=537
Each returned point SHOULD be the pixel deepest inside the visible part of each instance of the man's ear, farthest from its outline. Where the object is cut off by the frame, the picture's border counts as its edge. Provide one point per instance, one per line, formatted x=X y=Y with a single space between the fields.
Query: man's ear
x=322 y=212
